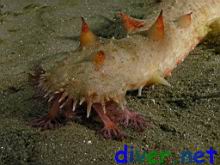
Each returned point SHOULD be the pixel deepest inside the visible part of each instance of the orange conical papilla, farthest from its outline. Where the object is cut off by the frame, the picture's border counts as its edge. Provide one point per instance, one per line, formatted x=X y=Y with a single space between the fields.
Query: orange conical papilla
x=130 y=24
x=99 y=59
x=185 y=20
x=87 y=37
x=156 y=32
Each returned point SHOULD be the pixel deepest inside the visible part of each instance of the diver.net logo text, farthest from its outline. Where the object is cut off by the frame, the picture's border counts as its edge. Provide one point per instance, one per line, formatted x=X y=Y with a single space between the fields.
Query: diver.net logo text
x=130 y=155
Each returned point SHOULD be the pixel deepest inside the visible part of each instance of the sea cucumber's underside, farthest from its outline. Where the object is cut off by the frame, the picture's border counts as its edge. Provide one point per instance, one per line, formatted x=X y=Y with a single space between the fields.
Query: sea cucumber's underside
x=98 y=74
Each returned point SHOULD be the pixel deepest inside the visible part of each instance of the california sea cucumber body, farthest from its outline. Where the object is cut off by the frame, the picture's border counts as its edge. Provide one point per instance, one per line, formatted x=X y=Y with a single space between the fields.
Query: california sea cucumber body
x=104 y=70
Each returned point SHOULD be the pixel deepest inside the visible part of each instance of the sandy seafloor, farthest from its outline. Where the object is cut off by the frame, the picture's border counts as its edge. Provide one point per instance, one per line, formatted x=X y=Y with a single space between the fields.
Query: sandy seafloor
x=34 y=31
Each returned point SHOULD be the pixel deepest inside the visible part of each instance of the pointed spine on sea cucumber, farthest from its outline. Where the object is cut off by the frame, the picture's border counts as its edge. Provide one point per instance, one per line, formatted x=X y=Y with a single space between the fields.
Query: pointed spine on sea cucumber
x=156 y=32
x=65 y=102
x=82 y=100
x=157 y=78
x=63 y=97
x=130 y=24
x=51 y=98
x=87 y=37
x=103 y=106
x=89 y=108
x=99 y=59
x=185 y=20
x=74 y=105
x=140 y=91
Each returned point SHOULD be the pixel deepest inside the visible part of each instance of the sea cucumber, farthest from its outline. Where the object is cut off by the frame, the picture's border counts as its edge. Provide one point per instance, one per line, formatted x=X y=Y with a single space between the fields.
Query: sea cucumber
x=100 y=72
